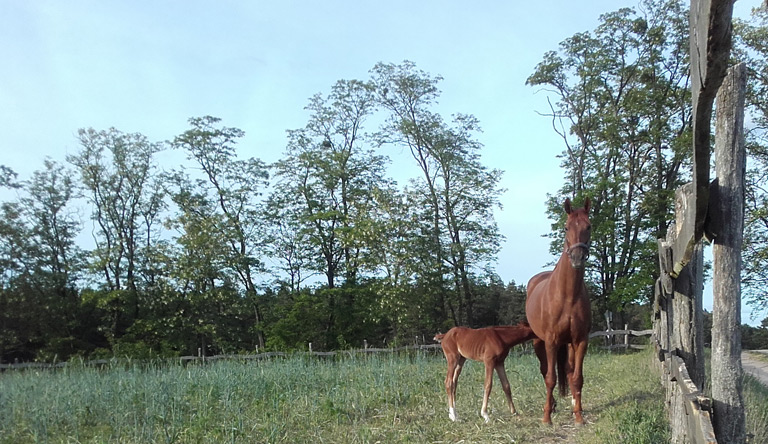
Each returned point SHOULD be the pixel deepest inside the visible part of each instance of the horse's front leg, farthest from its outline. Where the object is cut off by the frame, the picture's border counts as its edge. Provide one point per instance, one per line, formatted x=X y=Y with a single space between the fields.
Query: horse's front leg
x=450 y=388
x=550 y=380
x=454 y=375
x=505 y=386
x=487 y=392
x=576 y=379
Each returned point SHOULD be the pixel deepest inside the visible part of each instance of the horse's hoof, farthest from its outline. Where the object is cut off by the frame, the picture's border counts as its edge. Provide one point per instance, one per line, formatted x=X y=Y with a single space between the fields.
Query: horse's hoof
x=452 y=415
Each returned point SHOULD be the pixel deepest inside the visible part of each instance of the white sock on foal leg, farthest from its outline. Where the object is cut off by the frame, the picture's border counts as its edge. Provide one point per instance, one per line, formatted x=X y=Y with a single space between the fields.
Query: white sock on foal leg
x=452 y=414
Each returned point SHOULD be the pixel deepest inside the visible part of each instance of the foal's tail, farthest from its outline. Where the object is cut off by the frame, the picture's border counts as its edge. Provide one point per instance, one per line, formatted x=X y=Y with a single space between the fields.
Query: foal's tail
x=439 y=337
x=562 y=374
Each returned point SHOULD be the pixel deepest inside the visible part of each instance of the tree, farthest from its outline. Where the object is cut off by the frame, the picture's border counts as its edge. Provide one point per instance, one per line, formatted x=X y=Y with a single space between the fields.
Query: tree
x=117 y=171
x=200 y=281
x=233 y=187
x=7 y=177
x=330 y=185
x=455 y=195
x=40 y=264
x=54 y=227
x=14 y=243
x=622 y=109
x=751 y=46
x=333 y=177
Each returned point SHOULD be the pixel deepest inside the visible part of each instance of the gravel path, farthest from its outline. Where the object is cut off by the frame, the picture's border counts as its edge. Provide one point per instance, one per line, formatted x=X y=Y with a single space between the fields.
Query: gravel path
x=755 y=366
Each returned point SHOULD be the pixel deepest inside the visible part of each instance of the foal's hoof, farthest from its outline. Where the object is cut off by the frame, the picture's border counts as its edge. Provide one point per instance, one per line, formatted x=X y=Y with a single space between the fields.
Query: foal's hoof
x=452 y=415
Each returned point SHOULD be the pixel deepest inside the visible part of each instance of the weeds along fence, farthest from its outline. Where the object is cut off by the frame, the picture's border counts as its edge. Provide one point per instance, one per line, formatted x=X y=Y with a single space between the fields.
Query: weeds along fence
x=615 y=339
x=232 y=357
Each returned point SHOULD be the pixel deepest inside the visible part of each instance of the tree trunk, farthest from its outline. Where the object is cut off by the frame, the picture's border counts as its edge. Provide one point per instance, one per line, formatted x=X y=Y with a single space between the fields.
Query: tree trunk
x=728 y=225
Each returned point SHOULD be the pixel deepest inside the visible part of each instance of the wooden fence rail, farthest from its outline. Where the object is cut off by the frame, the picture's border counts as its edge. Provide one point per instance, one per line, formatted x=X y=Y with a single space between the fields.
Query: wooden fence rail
x=626 y=334
x=690 y=410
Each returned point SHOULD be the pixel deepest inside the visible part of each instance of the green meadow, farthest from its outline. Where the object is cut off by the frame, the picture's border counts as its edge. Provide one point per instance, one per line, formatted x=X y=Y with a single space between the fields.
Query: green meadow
x=349 y=398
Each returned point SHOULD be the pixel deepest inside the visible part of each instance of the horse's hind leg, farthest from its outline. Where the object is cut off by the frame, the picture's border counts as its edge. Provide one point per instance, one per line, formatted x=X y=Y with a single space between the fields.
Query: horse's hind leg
x=505 y=386
x=539 y=347
x=541 y=353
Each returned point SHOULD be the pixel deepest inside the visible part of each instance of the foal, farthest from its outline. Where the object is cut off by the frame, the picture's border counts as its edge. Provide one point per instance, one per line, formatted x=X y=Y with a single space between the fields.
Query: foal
x=489 y=345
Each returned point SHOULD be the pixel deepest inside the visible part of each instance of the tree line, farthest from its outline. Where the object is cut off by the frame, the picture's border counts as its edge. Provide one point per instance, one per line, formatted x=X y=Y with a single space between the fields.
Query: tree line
x=229 y=254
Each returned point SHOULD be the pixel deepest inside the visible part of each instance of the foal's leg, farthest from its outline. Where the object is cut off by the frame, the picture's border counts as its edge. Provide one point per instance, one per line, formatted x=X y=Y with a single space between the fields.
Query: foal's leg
x=454 y=375
x=487 y=393
x=576 y=379
x=450 y=387
x=505 y=386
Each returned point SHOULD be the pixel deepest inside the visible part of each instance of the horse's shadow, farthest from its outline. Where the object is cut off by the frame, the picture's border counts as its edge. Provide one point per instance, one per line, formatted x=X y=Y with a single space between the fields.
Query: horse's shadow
x=633 y=397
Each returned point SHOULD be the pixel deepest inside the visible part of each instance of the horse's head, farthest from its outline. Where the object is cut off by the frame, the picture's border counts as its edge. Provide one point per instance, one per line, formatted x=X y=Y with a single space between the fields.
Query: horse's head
x=577 y=233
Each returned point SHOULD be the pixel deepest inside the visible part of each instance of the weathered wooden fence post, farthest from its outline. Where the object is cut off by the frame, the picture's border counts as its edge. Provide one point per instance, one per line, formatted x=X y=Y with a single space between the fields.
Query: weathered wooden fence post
x=677 y=307
x=684 y=322
x=727 y=226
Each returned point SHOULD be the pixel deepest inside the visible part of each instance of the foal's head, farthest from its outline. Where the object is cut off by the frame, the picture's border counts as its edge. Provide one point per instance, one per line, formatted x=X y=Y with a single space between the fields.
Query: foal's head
x=577 y=233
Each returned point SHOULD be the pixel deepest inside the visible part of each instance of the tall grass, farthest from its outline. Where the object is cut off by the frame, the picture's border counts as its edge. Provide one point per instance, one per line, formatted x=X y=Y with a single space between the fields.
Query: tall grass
x=756 y=410
x=346 y=399
x=755 y=397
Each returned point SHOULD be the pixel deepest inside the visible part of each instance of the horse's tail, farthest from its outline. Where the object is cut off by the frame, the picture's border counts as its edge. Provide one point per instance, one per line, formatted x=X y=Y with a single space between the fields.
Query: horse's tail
x=562 y=374
x=439 y=337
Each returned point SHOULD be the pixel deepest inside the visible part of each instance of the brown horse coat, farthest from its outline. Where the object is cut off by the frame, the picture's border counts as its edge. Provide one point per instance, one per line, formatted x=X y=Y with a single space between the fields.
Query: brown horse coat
x=558 y=309
x=489 y=345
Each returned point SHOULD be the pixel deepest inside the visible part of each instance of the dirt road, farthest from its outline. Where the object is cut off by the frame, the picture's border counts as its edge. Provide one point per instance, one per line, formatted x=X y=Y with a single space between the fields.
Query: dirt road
x=753 y=364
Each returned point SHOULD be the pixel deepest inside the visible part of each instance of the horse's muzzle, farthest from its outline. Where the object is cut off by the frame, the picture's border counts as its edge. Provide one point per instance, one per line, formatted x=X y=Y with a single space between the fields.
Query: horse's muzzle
x=578 y=254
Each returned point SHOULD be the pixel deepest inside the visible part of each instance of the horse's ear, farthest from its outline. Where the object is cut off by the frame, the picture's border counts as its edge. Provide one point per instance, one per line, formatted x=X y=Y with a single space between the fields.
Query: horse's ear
x=567 y=206
x=586 y=204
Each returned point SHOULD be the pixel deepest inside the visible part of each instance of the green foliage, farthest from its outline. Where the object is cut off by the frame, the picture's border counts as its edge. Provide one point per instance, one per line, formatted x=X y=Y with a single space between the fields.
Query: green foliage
x=621 y=105
x=751 y=47
x=755 y=338
x=452 y=202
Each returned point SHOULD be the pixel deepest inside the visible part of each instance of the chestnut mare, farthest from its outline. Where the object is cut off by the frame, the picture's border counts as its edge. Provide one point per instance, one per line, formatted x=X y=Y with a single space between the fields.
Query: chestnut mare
x=558 y=310
x=489 y=345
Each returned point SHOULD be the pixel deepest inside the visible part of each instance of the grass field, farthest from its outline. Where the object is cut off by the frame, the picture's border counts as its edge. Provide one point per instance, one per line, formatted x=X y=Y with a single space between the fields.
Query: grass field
x=347 y=399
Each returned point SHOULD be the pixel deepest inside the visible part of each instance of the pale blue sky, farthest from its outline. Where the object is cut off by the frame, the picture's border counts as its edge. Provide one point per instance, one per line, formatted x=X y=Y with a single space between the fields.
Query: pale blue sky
x=147 y=66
